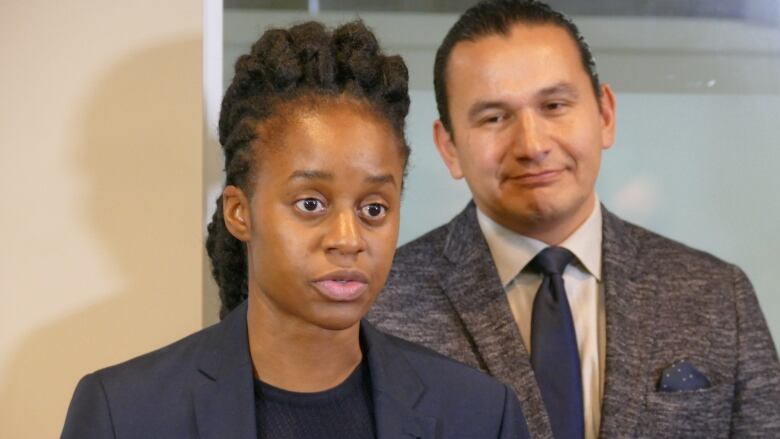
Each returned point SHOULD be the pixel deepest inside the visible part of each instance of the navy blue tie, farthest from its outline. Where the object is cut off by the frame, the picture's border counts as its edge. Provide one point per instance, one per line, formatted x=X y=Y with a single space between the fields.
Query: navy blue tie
x=554 y=354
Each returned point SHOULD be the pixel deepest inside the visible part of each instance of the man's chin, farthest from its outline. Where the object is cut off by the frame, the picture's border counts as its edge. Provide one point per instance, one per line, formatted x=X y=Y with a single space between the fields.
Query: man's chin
x=528 y=217
x=538 y=212
x=550 y=219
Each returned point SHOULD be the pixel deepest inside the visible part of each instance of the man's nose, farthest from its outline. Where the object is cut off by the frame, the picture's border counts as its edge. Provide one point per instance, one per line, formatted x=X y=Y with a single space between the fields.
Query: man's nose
x=344 y=235
x=528 y=142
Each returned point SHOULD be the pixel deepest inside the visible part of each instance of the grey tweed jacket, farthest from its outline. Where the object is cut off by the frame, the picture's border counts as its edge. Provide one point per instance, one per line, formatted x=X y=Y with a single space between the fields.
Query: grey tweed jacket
x=664 y=302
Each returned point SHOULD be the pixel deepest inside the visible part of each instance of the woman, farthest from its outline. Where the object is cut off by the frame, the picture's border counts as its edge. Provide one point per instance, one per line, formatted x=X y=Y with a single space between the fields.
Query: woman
x=312 y=129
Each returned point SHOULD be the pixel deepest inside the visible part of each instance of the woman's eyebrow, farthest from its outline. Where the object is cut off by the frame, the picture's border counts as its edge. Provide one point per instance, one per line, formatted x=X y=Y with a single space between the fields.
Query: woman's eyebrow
x=309 y=174
x=383 y=178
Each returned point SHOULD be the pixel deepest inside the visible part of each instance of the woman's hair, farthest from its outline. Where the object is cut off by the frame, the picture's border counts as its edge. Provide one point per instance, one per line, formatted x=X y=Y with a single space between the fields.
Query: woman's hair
x=286 y=68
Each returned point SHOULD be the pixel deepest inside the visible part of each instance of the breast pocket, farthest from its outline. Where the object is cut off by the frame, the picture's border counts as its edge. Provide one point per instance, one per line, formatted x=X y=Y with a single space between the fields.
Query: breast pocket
x=689 y=414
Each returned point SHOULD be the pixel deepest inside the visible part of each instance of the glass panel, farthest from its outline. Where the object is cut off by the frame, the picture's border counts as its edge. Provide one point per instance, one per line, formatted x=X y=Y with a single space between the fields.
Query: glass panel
x=698 y=99
x=761 y=11
x=301 y=5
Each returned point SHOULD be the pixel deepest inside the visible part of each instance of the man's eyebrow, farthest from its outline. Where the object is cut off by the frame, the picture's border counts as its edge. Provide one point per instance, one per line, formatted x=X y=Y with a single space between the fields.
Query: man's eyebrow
x=383 y=178
x=559 y=88
x=309 y=174
x=481 y=106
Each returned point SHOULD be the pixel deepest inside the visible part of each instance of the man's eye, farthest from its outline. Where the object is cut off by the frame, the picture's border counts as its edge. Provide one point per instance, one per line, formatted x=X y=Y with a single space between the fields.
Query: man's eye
x=496 y=118
x=373 y=211
x=554 y=106
x=312 y=205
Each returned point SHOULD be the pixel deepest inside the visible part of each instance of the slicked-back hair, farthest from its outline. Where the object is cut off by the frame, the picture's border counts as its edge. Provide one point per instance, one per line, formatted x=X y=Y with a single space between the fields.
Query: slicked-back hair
x=497 y=17
x=288 y=67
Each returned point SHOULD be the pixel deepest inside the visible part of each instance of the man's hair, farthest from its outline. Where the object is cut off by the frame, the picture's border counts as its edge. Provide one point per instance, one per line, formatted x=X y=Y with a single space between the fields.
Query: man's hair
x=491 y=17
x=289 y=69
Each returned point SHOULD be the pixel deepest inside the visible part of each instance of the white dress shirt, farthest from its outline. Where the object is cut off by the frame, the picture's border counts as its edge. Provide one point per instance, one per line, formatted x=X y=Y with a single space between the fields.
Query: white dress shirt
x=582 y=279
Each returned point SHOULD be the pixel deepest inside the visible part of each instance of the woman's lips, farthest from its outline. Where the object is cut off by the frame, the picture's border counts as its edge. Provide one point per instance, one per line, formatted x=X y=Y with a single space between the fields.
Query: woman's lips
x=341 y=291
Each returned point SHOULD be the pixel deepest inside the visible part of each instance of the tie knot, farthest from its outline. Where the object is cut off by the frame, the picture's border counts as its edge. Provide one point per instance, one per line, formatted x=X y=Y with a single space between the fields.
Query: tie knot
x=552 y=260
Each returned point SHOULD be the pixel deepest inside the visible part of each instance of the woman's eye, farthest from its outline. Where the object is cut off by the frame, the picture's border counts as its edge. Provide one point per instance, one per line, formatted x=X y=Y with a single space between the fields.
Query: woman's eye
x=312 y=205
x=373 y=211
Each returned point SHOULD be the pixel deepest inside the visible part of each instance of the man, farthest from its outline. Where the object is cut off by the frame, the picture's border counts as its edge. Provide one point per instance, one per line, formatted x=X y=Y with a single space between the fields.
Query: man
x=600 y=326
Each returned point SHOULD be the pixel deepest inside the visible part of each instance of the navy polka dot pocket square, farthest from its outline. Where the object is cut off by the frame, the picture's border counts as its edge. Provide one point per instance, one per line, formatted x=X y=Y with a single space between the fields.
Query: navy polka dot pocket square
x=682 y=376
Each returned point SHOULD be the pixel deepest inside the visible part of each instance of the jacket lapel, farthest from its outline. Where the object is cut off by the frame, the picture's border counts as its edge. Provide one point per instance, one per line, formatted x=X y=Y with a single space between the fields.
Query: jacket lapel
x=476 y=294
x=396 y=389
x=224 y=397
x=629 y=315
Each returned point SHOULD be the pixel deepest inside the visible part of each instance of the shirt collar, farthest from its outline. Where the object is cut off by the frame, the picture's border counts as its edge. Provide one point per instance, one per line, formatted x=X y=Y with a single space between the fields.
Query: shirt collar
x=512 y=251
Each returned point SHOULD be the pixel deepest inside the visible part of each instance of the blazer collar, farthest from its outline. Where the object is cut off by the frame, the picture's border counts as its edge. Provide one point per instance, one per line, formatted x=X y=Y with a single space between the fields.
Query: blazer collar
x=224 y=397
x=396 y=389
x=628 y=309
x=475 y=291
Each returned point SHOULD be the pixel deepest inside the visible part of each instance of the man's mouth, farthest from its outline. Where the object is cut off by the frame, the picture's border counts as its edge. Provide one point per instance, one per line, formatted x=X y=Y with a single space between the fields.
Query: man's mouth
x=537 y=178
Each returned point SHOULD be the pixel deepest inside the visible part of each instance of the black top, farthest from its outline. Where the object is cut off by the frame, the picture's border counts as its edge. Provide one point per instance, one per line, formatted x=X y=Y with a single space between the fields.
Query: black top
x=343 y=412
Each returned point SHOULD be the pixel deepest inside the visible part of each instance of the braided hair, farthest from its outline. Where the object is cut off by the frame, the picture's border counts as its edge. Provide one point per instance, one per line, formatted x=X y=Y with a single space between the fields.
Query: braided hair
x=290 y=67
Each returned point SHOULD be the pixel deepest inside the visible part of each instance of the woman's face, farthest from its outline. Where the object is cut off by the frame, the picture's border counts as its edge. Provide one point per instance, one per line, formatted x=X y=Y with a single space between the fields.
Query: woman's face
x=323 y=218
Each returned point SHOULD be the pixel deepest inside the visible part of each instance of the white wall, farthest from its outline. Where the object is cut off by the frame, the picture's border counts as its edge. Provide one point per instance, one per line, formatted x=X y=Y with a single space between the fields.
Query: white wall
x=101 y=180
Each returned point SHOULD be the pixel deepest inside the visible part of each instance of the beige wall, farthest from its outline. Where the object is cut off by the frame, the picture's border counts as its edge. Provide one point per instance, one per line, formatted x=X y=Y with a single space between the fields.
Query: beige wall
x=101 y=179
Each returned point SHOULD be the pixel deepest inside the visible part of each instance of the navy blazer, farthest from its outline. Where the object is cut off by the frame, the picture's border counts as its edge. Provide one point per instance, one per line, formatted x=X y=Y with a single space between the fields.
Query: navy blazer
x=202 y=387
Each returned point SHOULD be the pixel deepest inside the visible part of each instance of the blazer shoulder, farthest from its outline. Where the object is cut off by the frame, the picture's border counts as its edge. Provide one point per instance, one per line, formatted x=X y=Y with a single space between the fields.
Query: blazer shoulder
x=473 y=403
x=89 y=415
x=150 y=387
x=418 y=253
x=656 y=249
x=165 y=359
x=414 y=278
x=155 y=376
x=417 y=267
x=446 y=374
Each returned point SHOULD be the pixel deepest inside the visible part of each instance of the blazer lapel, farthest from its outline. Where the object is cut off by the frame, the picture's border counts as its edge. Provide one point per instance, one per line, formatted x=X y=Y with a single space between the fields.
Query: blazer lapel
x=629 y=315
x=224 y=398
x=476 y=293
x=396 y=389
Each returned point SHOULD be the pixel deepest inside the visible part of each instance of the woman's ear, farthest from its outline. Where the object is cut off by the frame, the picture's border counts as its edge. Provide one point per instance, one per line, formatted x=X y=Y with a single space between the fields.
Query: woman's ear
x=237 y=214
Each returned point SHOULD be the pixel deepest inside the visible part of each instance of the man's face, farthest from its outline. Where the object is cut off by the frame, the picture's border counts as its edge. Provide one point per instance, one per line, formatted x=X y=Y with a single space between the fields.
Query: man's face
x=527 y=129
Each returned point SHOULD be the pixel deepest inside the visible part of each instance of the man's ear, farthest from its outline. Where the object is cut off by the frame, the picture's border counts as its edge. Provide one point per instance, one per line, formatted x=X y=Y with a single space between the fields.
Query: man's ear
x=237 y=214
x=608 y=108
x=446 y=146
